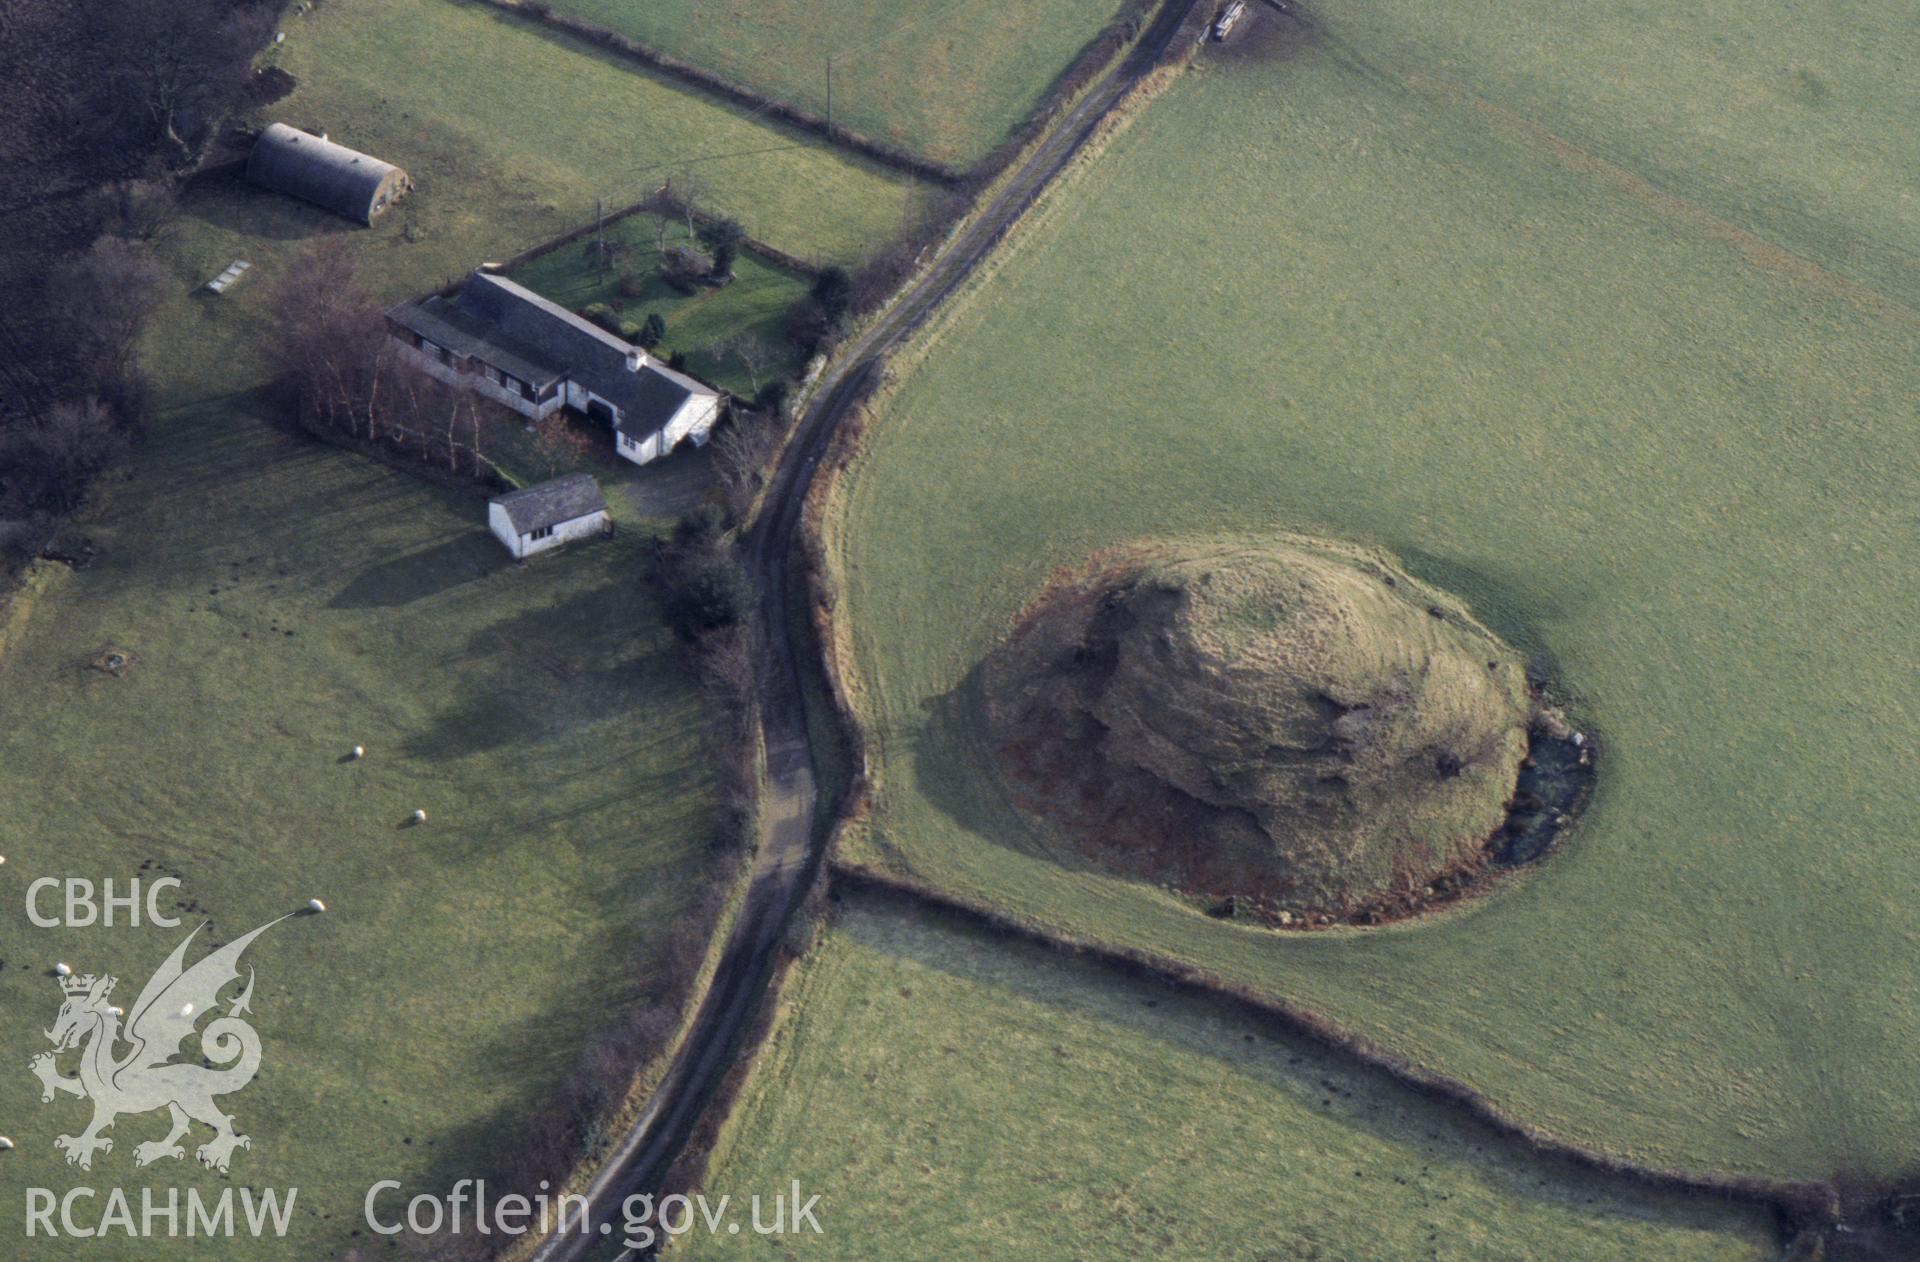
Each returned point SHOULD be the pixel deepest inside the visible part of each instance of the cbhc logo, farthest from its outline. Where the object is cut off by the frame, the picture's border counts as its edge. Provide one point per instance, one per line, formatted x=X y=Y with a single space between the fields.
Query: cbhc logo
x=83 y=910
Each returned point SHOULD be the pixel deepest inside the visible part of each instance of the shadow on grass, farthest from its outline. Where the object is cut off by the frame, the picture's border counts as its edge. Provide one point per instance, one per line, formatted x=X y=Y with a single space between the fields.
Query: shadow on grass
x=956 y=772
x=540 y=673
x=227 y=202
x=1292 y=1066
x=418 y=575
x=1507 y=602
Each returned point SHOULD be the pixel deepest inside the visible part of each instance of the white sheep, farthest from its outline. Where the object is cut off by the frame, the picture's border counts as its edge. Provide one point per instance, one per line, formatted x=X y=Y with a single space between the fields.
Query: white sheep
x=359 y=751
x=419 y=817
x=62 y=970
x=315 y=905
x=6 y=1145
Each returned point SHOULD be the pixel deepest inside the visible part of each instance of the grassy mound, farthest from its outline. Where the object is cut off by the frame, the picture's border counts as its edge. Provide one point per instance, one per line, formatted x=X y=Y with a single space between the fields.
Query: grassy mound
x=1283 y=719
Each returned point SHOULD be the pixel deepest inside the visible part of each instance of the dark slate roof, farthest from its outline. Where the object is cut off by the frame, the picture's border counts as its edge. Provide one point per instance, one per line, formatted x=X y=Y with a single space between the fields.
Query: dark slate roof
x=551 y=503
x=513 y=328
x=561 y=336
x=444 y=322
x=343 y=180
x=652 y=399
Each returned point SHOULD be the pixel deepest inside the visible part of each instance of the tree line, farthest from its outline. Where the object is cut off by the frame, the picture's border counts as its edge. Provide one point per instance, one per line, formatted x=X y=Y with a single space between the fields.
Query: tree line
x=108 y=108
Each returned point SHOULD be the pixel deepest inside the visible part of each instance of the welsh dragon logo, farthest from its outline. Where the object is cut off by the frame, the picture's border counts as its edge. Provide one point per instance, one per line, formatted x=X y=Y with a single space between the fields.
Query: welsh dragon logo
x=148 y=1075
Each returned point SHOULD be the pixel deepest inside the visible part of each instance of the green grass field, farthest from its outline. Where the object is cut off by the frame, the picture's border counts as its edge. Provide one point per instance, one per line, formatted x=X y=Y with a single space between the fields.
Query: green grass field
x=949 y=79
x=935 y=1086
x=1793 y=123
x=511 y=131
x=284 y=601
x=1674 y=466
x=704 y=324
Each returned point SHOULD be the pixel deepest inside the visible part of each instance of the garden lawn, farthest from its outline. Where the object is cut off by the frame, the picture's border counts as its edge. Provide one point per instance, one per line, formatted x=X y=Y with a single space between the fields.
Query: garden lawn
x=947 y=79
x=979 y=1097
x=1675 y=468
x=511 y=131
x=707 y=325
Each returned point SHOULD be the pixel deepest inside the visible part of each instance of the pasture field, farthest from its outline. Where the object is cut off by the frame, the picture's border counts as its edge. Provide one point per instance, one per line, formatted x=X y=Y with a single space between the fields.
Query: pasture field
x=283 y=601
x=938 y=1086
x=948 y=80
x=1796 y=124
x=704 y=324
x=510 y=132
x=1674 y=467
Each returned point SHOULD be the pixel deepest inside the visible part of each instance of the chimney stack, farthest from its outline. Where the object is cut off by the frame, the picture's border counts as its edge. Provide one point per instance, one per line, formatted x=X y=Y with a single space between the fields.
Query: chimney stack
x=635 y=358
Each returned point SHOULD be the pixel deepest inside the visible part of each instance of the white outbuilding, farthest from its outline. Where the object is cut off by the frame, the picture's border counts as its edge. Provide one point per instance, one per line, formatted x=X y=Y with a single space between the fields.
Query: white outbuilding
x=550 y=514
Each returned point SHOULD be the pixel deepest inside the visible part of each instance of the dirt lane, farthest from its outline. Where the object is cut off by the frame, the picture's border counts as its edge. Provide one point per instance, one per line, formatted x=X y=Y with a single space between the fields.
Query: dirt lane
x=786 y=861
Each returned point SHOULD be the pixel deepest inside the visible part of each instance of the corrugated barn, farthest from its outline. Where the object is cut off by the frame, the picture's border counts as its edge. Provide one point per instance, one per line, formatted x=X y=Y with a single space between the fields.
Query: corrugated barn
x=316 y=169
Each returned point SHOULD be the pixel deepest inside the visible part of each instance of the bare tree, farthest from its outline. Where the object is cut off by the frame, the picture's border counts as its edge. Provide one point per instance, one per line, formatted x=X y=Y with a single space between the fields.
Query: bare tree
x=175 y=69
x=140 y=208
x=695 y=188
x=105 y=296
x=61 y=450
x=741 y=452
x=559 y=442
x=331 y=340
x=754 y=355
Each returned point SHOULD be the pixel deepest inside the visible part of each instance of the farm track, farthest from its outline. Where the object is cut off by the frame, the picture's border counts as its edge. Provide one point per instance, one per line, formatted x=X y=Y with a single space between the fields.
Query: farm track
x=787 y=861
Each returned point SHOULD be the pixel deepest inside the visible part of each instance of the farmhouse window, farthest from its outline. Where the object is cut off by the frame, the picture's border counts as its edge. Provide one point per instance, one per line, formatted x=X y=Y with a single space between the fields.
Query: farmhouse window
x=541 y=533
x=511 y=382
x=526 y=389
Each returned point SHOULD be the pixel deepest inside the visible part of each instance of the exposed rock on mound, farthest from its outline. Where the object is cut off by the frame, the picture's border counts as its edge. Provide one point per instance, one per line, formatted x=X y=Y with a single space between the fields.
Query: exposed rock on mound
x=1287 y=720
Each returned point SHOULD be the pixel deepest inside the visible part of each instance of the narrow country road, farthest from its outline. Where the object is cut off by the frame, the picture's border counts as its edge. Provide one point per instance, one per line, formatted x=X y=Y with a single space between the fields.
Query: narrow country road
x=785 y=860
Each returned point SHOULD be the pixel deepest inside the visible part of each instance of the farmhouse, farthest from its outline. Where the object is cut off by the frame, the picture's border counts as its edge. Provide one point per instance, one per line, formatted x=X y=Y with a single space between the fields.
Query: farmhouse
x=317 y=170
x=511 y=345
x=540 y=517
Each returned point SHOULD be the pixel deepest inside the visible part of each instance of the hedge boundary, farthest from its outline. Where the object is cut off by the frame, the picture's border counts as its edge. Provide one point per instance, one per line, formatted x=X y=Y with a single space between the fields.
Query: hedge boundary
x=1800 y=1205
x=736 y=93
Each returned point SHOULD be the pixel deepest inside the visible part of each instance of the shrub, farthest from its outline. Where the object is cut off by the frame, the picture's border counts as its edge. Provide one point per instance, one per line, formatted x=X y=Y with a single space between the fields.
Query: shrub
x=677 y=361
x=700 y=526
x=723 y=237
x=632 y=286
x=653 y=331
x=708 y=593
x=630 y=329
x=686 y=267
x=833 y=290
x=772 y=396
x=601 y=314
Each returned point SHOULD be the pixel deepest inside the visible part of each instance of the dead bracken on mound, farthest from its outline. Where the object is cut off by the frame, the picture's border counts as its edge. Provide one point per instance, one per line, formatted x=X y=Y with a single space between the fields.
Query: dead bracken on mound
x=1286 y=720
